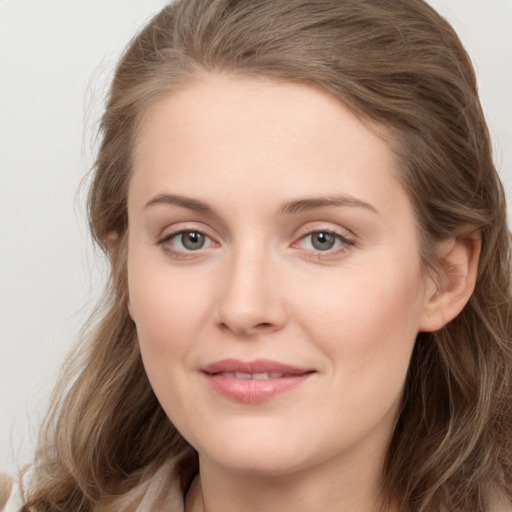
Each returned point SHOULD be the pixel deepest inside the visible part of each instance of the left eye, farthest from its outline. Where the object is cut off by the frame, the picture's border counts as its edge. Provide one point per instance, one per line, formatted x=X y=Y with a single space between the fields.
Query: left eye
x=323 y=241
x=188 y=240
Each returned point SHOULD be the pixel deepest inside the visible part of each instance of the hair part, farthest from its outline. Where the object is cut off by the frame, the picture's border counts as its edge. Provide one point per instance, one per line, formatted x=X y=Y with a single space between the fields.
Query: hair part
x=398 y=66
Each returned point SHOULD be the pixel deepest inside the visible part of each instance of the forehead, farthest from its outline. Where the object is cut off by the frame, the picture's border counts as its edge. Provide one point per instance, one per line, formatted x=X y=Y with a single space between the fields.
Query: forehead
x=242 y=136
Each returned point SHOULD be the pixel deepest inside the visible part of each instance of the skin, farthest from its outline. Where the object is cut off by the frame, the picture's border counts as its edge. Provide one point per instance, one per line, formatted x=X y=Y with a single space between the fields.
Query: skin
x=259 y=288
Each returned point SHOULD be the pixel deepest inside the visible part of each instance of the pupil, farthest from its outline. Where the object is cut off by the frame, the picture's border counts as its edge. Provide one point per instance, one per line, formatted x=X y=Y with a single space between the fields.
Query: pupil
x=322 y=241
x=192 y=240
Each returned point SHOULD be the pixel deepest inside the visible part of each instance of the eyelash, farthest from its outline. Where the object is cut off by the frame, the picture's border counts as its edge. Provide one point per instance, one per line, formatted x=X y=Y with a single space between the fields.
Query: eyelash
x=183 y=253
x=341 y=243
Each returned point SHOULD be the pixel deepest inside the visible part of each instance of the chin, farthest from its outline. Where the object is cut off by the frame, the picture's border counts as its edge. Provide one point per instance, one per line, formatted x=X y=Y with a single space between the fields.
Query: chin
x=260 y=464
x=259 y=452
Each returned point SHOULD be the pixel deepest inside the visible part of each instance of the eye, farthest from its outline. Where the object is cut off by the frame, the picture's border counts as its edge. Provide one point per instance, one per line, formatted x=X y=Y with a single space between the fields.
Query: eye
x=191 y=240
x=186 y=241
x=324 y=241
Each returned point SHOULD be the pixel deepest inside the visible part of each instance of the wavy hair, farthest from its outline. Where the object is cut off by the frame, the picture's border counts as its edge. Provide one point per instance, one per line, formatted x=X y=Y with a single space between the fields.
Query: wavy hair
x=396 y=64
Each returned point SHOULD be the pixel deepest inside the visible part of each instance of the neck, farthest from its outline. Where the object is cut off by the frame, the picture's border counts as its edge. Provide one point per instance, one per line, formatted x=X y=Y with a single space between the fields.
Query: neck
x=329 y=488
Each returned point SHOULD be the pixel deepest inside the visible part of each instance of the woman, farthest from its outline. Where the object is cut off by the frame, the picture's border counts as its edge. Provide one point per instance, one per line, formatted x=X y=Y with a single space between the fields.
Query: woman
x=310 y=296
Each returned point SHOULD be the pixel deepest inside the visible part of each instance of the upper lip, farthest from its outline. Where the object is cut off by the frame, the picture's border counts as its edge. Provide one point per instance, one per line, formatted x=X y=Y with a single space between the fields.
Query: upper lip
x=255 y=366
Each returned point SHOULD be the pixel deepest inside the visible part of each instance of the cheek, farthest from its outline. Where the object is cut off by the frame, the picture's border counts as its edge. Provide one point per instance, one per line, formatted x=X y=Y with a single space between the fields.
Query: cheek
x=367 y=333
x=165 y=307
x=166 y=317
x=158 y=314
x=367 y=317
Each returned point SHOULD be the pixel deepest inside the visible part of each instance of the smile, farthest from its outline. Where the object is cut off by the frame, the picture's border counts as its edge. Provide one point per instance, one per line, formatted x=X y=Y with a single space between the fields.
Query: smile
x=253 y=381
x=257 y=376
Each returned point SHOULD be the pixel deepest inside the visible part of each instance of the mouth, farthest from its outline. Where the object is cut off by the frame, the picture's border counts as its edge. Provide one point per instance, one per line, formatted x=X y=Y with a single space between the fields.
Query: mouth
x=253 y=381
x=256 y=376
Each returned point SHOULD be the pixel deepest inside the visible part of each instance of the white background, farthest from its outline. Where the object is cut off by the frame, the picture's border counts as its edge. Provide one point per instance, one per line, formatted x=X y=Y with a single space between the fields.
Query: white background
x=56 y=59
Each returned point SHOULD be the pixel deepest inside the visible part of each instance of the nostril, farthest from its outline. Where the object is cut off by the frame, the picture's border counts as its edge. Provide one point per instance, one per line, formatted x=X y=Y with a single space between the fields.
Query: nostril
x=263 y=325
x=247 y=330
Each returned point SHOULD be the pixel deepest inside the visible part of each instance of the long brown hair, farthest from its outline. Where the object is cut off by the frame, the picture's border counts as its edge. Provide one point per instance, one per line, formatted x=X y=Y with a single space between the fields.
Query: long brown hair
x=398 y=65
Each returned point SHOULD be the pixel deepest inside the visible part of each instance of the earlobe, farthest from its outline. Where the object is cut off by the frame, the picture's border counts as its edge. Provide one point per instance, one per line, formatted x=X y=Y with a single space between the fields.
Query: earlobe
x=454 y=281
x=112 y=245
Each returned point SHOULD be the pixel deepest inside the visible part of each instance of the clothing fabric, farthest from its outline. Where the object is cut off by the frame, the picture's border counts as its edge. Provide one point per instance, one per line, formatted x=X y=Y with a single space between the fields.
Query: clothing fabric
x=162 y=493
x=13 y=500
x=5 y=489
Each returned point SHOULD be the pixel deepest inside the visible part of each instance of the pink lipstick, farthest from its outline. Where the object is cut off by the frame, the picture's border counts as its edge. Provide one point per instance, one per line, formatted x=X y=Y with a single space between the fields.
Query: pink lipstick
x=253 y=381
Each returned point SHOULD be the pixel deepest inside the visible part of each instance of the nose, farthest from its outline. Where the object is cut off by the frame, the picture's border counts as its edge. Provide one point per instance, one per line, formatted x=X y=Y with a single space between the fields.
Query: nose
x=252 y=296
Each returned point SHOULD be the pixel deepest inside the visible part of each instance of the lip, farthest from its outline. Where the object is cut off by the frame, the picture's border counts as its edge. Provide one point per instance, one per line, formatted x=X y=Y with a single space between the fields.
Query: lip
x=222 y=379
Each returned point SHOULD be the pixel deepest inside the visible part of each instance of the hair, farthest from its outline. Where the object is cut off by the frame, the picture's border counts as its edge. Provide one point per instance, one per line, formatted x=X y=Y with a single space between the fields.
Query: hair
x=397 y=65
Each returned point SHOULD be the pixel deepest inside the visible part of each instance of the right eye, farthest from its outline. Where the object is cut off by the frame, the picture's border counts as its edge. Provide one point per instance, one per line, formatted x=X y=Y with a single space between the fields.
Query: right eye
x=186 y=241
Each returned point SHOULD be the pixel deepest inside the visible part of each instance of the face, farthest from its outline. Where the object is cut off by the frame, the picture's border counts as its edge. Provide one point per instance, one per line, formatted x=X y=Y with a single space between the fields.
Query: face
x=274 y=274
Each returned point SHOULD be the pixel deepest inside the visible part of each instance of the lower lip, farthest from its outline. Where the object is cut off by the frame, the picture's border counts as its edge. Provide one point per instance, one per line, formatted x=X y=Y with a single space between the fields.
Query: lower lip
x=253 y=391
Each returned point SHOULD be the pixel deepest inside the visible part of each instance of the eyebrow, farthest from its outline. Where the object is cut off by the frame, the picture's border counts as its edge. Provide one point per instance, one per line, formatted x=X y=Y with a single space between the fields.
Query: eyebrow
x=184 y=202
x=301 y=205
x=287 y=208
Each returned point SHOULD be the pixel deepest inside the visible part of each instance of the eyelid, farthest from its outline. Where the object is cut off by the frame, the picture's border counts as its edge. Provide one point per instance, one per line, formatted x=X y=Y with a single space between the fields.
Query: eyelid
x=175 y=234
x=339 y=236
x=327 y=227
x=346 y=240
x=179 y=227
x=173 y=231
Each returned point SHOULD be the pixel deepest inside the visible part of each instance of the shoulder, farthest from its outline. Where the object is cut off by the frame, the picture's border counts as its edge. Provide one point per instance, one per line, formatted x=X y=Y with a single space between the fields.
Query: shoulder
x=5 y=489
x=10 y=498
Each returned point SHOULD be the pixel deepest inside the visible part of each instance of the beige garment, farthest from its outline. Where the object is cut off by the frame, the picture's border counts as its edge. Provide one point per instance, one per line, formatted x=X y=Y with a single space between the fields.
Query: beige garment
x=162 y=493
x=5 y=489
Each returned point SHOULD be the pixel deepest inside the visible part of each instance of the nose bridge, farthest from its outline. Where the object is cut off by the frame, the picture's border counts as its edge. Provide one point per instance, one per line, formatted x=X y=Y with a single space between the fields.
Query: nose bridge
x=250 y=300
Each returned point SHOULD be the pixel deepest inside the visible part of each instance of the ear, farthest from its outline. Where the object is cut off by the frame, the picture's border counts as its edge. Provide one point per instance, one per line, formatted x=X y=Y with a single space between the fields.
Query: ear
x=114 y=246
x=450 y=288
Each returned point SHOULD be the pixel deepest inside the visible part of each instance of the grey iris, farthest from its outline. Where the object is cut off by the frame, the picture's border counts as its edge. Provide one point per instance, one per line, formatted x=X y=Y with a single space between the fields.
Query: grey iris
x=322 y=241
x=192 y=240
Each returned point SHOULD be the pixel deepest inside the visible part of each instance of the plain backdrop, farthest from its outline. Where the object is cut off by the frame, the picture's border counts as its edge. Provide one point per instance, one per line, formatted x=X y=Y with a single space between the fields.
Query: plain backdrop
x=56 y=60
